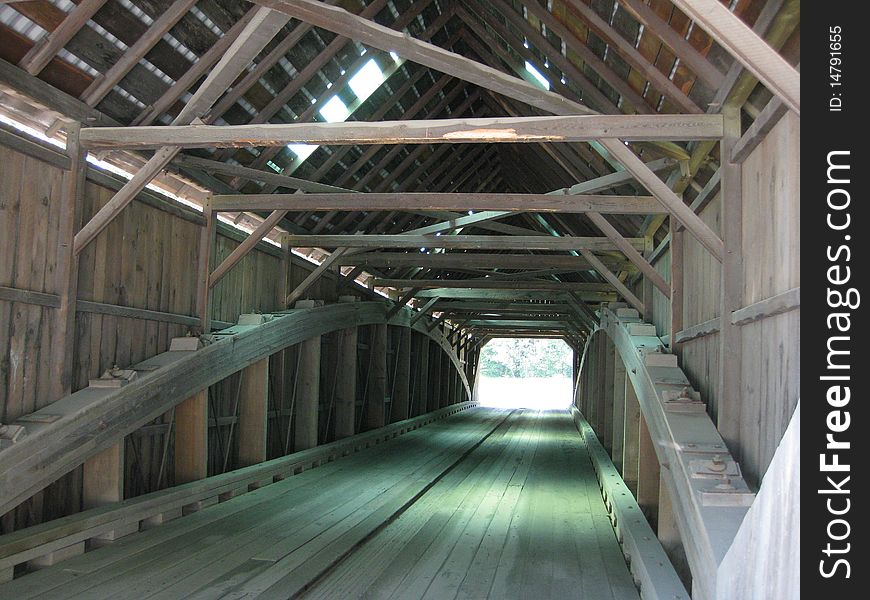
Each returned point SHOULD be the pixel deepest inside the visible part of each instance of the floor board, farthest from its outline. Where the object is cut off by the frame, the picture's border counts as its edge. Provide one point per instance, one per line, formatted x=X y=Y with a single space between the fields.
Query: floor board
x=485 y=504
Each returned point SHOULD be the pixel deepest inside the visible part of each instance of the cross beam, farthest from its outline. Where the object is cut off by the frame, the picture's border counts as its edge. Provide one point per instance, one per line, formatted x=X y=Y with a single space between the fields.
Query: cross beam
x=571 y=128
x=471 y=260
x=635 y=205
x=515 y=295
x=493 y=284
x=462 y=242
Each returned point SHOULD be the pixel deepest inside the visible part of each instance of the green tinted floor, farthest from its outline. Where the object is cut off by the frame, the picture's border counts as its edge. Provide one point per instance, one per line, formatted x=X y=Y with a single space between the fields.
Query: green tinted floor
x=484 y=504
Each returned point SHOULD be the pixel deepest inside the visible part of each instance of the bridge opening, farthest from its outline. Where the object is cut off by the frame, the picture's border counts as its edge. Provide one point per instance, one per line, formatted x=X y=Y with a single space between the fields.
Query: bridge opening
x=526 y=373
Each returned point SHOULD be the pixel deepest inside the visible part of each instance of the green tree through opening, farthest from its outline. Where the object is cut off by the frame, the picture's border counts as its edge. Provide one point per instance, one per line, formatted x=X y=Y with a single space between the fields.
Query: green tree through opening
x=525 y=357
x=526 y=373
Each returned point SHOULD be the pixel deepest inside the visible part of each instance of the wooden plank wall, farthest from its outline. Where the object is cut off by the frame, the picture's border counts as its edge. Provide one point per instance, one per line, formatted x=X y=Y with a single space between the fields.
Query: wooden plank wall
x=699 y=358
x=145 y=259
x=771 y=352
x=661 y=304
x=771 y=248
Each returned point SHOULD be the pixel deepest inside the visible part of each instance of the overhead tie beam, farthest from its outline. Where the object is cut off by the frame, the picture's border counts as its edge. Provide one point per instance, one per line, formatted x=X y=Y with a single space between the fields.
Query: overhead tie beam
x=493 y=284
x=417 y=201
x=504 y=307
x=514 y=295
x=517 y=324
x=568 y=128
x=463 y=242
x=474 y=261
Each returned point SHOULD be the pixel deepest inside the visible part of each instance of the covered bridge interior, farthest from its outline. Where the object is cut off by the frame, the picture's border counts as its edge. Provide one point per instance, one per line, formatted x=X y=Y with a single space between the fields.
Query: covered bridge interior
x=250 y=253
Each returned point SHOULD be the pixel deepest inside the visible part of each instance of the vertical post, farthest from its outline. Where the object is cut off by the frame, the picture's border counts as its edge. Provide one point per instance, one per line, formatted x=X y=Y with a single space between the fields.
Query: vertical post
x=103 y=477
x=631 y=437
x=376 y=393
x=286 y=282
x=435 y=389
x=402 y=384
x=253 y=408
x=423 y=375
x=308 y=394
x=345 y=386
x=191 y=438
x=103 y=483
x=607 y=396
x=588 y=393
x=580 y=388
x=102 y=474
x=279 y=367
x=728 y=391
x=647 y=290
x=600 y=387
x=618 y=441
x=207 y=240
x=648 y=474
x=669 y=535
x=677 y=249
x=67 y=274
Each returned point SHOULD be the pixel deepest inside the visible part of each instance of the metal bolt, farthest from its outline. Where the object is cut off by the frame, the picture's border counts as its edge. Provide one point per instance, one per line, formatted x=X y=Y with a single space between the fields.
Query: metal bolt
x=725 y=484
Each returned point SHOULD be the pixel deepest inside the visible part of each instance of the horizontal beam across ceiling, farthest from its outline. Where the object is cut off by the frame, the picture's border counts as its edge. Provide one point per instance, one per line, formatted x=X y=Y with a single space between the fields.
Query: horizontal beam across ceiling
x=472 y=261
x=635 y=205
x=462 y=242
x=516 y=324
x=513 y=295
x=503 y=307
x=573 y=128
x=493 y=284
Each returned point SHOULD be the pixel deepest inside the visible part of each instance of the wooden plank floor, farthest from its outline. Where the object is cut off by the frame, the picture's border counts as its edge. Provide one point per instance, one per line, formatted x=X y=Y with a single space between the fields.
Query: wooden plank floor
x=485 y=504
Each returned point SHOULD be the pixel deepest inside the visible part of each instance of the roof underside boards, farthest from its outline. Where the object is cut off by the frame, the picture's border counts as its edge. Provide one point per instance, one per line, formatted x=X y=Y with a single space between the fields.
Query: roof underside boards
x=630 y=56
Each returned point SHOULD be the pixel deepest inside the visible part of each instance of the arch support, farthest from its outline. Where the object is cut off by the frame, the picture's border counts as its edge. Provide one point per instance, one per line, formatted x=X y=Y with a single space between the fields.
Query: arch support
x=671 y=447
x=61 y=436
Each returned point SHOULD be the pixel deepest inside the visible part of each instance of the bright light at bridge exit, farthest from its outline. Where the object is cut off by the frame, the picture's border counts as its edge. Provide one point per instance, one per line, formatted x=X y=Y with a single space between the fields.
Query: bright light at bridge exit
x=526 y=373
